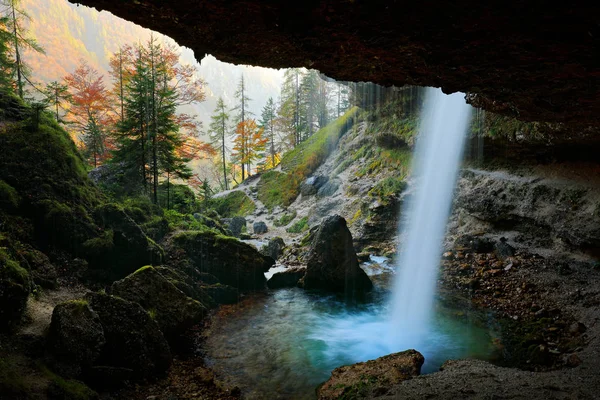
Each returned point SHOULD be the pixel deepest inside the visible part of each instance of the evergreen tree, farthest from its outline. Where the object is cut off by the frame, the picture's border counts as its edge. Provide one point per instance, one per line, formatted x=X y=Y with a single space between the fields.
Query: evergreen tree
x=57 y=93
x=240 y=119
x=20 y=41
x=94 y=139
x=217 y=132
x=289 y=110
x=268 y=125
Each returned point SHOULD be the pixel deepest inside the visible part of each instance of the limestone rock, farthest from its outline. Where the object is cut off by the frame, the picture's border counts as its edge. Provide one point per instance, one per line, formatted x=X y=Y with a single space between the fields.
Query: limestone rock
x=503 y=249
x=133 y=339
x=233 y=262
x=170 y=307
x=329 y=188
x=287 y=278
x=311 y=185
x=274 y=248
x=76 y=336
x=260 y=228
x=236 y=225
x=331 y=261
x=375 y=377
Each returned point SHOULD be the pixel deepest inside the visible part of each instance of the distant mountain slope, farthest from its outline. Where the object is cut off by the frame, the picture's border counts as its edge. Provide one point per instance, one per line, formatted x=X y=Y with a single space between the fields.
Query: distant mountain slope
x=70 y=32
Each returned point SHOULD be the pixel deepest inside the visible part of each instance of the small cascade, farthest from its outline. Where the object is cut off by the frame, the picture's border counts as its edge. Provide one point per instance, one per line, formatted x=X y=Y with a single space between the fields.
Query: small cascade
x=444 y=123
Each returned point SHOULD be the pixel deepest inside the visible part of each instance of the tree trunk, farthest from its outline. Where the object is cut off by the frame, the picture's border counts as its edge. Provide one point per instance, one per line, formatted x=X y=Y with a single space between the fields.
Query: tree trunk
x=17 y=54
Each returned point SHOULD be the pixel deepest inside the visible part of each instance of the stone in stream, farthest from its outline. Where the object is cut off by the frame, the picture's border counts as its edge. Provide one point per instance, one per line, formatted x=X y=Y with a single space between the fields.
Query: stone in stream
x=287 y=278
x=237 y=225
x=371 y=378
x=260 y=228
x=331 y=263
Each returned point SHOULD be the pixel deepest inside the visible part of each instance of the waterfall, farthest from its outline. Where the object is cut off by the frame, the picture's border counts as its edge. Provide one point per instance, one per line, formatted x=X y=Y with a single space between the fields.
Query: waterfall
x=444 y=123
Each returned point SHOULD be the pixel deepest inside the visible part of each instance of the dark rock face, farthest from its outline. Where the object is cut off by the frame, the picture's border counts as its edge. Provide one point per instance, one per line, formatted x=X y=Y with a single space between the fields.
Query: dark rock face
x=487 y=48
x=14 y=290
x=172 y=309
x=365 y=379
x=504 y=250
x=191 y=286
x=222 y=294
x=310 y=186
x=233 y=262
x=76 y=336
x=329 y=188
x=236 y=224
x=124 y=248
x=288 y=278
x=133 y=340
x=274 y=248
x=260 y=227
x=332 y=263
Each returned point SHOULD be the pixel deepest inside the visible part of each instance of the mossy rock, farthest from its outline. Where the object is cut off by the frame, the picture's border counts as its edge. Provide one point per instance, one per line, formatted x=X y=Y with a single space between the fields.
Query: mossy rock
x=14 y=289
x=233 y=262
x=173 y=311
x=9 y=198
x=234 y=204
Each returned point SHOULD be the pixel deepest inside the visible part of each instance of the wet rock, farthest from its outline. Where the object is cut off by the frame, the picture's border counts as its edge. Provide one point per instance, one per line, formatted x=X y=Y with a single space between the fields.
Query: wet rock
x=222 y=294
x=366 y=379
x=311 y=185
x=287 y=278
x=331 y=261
x=233 y=262
x=169 y=307
x=274 y=248
x=504 y=250
x=329 y=188
x=477 y=244
x=190 y=286
x=237 y=225
x=260 y=228
x=76 y=336
x=133 y=339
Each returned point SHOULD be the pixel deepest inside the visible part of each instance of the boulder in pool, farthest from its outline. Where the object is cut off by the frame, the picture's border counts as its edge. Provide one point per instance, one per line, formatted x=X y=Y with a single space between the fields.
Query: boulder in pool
x=331 y=263
x=287 y=278
x=372 y=378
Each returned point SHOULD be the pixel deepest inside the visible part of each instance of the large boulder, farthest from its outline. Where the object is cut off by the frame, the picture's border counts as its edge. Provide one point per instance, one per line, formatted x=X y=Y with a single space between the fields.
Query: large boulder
x=237 y=225
x=331 y=263
x=222 y=294
x=76 y=336
x=274 y=248
x=134 y=341
x=260 y=227
x=190 y=286
x=287 y=278
x=329 y=188
x=371 y=378
x=170 y=307
x=311 y=185
x=233 y=262
x=14 y=290
x=123 y=247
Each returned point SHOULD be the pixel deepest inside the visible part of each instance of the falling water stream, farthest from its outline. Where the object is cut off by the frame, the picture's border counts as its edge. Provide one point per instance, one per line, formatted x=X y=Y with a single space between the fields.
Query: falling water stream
x=444 y=123
x=282 y=344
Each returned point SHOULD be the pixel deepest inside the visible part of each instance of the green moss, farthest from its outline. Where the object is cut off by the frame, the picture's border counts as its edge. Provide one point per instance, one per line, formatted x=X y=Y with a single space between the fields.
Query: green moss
x=278 y=189
x=177 y=197
x=356 y=216
x=152 y=313
x=99 y=245
x=387 y=187
x=299 y=226
x=285 y=219
x=233 y=204
x=11 y=269
x=12 y=383
x=9 y=198
x=67 y=389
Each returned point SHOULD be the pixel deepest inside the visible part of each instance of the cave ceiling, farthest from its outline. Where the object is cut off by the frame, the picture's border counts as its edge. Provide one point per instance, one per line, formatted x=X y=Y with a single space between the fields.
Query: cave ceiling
x=530 y=59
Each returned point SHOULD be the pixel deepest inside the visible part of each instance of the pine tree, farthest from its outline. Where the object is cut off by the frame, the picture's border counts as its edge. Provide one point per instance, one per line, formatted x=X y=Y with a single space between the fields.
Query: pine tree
x=289 y=110
x=6 y=62
x=20 y=42
x=218 y=131
x=121 y=64
x=268 y=125
x=94 y=139
x=56 y=94
x=240 y=119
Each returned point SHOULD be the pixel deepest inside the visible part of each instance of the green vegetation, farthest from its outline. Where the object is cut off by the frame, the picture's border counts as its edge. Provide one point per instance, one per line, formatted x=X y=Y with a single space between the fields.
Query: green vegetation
x=281 y=189
x=390 y=186
x=177 y=197
x=285 y=219
x=299 y=226
x=67 y=389
x=233 y=204
x=12 y=383
x=9 y=198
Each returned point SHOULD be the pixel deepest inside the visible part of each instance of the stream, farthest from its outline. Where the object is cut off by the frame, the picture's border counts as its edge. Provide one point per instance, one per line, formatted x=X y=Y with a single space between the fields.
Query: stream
x=283 y=344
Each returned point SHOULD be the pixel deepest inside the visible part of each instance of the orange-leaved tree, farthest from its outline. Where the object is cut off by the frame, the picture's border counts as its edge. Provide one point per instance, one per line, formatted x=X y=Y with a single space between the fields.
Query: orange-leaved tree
x=249 y=142
x=90 y=114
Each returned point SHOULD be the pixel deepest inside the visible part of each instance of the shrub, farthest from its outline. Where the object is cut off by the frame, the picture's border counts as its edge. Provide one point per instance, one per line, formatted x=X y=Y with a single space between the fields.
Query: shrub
x=299 y=226
x=233 y=204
